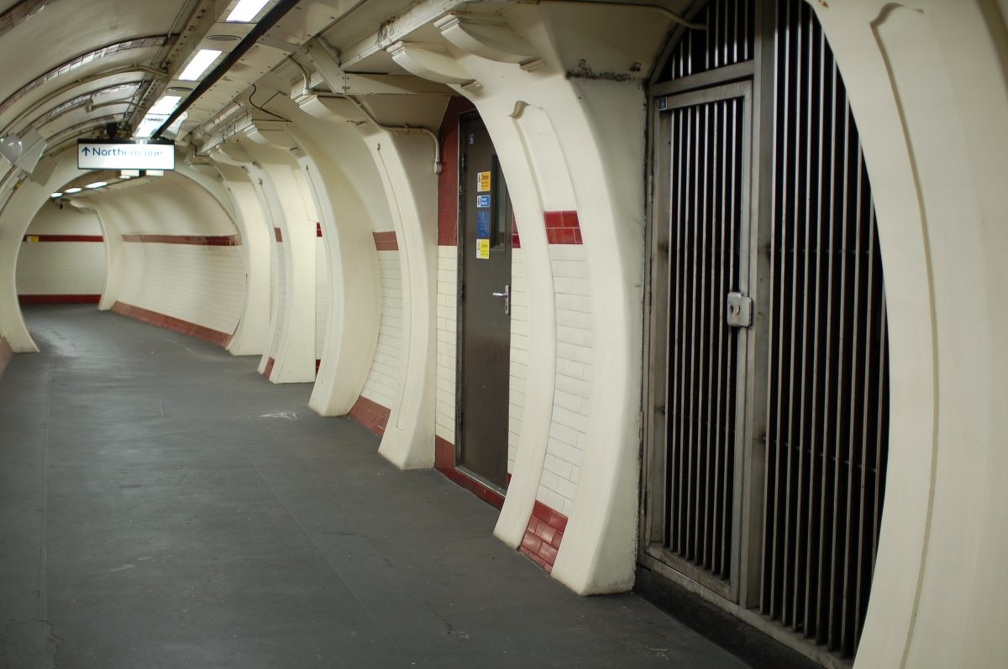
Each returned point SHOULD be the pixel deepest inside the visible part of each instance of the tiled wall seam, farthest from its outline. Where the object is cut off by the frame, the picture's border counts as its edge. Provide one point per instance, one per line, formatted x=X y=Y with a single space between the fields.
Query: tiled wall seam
x=447 y=344
x=572 y=392
x=64 y=268
x=519 y=353
x=204 y=285
x=380 y=386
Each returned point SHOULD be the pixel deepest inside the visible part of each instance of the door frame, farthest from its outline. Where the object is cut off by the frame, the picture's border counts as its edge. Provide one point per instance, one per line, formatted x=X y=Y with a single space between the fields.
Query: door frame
x=463 y=293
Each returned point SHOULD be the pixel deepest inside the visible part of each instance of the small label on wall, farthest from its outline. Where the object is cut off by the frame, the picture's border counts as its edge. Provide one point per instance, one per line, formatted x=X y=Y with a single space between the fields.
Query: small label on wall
x=482 y=201
x=483 y=224
x=482 y=249
x=483 y=182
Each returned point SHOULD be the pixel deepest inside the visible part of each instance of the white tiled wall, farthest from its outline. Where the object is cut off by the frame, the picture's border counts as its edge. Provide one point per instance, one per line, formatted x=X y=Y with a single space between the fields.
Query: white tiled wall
x=321 y=297
x=61 y=268
x=381 y=383
x=447 y=345
x=573 y=378
x=519 y=352
x=204 y=285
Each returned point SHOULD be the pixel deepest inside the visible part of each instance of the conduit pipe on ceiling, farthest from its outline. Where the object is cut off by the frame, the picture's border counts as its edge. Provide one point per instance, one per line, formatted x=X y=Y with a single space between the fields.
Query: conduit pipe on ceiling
x=404 y=129
x=272 y=17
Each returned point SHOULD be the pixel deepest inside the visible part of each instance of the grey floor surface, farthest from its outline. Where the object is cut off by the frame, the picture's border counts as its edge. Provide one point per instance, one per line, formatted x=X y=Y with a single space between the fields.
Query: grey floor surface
x=163 y=505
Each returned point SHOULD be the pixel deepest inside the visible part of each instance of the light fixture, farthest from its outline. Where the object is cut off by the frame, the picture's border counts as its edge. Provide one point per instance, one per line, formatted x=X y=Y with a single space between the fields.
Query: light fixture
x=32 y=145
x=156 y=115
x=97 y=184
x=154 y=173
x=71 y=191
x=199 y=64
x=10 y=148
x=128 y=174
x=246 y=10
x=56 y=195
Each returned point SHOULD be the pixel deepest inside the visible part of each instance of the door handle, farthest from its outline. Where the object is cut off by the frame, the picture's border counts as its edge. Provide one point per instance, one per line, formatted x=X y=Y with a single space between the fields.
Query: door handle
x=507 y=298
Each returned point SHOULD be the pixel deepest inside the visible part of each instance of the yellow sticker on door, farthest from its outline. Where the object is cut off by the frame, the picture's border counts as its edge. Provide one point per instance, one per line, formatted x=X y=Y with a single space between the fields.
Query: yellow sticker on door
x=482 y=249
x=482 y=182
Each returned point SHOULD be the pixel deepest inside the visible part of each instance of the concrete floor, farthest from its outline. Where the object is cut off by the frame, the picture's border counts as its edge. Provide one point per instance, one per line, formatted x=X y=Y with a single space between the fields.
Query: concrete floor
x=163 y=505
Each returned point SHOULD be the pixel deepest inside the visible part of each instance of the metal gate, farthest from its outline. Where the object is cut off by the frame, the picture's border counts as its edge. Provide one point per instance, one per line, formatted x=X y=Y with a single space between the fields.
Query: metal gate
x=705 y=239
x=767 y=449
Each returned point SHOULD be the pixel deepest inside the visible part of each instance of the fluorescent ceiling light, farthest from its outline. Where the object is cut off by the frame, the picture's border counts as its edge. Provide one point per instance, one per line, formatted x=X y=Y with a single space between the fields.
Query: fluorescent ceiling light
x=199 y=64
x=166 y=105
x=156 y=115
x=129 y=174
x=97 y=184
x=71 y=191
x=56 y=195
x=246 y=10
x=154 y=173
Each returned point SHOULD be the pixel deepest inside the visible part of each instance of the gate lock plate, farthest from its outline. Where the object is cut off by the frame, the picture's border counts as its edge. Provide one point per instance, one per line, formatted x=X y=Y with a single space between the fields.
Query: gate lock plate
x=739 y=310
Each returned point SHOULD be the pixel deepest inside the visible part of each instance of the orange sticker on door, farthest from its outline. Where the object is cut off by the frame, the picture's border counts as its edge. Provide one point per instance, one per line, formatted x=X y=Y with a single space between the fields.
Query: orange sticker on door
x=482 y=182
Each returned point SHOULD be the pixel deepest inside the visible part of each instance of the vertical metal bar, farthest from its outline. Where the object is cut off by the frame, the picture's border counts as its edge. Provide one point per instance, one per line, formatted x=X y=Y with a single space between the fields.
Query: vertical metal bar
x=715 y=415
x=771 y=517
x=881 y=438
x=825 y=510
x=671 y=386
x=684 y=175
x=690 y=418
x=855 y=331
x=703 y=370
x=790 y=510
x=865 y=408
x=837 y=565
x=798 y=405
x=811 y=413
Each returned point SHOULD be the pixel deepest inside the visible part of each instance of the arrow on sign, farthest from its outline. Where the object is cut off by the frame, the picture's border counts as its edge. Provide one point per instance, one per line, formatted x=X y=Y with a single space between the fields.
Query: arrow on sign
x=86 y=151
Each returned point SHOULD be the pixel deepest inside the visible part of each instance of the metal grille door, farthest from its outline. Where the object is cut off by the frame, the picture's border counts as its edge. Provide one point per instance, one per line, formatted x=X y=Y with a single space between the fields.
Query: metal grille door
x=707 y=136
x=769 y=416
x=828 y=386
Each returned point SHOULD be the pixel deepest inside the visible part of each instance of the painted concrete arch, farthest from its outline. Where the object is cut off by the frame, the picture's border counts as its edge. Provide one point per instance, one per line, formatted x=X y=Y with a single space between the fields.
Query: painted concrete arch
x=927 y=84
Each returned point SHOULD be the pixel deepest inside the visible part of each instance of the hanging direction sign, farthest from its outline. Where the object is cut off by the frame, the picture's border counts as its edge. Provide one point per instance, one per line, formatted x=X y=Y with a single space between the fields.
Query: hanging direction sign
x=125 y=155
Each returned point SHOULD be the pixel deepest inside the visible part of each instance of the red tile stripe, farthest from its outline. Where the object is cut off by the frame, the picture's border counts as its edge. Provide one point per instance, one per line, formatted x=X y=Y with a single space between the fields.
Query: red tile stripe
x=444 y=455
x=59 y=299
x=318 y=229
x=562 y=227
x=63 y=238
x=6 y=353
x=269 y=367
x=444 y=462
x=545 y=531
x=172 y=323
x=188 y=240
x=386 y=241
x=278 y=233
x=370 y=414
x=515 y=239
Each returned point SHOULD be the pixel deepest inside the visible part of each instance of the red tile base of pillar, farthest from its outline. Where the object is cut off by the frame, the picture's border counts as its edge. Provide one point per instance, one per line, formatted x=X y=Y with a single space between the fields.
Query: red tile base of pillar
x=371 y=415
x=542 y=539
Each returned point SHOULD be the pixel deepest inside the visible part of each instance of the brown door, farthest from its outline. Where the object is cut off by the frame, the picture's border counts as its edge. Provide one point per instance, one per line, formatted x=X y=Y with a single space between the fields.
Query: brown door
x=484 y=307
